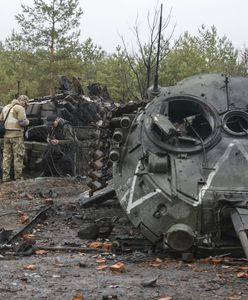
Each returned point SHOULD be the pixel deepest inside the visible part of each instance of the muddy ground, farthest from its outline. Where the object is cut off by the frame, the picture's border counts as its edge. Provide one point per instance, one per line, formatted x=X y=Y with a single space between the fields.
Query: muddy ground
x=81 y=271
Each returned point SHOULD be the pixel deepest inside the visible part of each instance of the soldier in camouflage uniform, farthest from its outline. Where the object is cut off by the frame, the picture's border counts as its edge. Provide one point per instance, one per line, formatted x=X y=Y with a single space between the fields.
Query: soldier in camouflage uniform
x=60 y=155
x=13 y=139
x=59 y=131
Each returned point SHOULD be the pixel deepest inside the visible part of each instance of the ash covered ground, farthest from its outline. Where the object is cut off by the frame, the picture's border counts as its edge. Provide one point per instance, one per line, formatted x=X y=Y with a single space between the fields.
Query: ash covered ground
x=58 y=264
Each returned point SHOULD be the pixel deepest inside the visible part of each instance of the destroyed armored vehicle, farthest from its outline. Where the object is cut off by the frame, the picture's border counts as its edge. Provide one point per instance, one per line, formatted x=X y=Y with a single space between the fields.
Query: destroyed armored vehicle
x=70 y=104
x=180 y=165
x=82 y=112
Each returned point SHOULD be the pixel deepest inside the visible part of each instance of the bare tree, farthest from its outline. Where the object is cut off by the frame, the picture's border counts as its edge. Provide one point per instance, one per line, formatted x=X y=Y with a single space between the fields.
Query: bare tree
x=143 y=60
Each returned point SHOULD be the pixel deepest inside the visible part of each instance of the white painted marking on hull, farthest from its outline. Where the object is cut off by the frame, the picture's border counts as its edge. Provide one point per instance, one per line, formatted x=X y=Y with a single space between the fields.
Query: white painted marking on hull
x=131 y=204
x=139 y=201
x=219 y=163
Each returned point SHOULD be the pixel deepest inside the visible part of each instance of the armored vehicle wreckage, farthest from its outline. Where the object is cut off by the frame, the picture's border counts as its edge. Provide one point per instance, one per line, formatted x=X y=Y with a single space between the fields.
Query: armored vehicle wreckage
x=181 y=164
x=81 y=111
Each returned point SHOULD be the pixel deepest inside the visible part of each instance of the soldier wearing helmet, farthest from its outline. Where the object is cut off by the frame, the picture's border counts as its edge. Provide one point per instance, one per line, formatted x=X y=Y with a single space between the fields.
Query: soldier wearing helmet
x=16 y=121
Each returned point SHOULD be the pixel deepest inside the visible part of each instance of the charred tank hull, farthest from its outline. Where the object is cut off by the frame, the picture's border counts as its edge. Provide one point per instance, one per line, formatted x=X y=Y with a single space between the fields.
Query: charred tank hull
x=180 y=164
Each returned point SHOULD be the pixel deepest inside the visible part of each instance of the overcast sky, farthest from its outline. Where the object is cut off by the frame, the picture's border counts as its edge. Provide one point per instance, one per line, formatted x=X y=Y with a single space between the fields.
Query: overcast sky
x=105 y=20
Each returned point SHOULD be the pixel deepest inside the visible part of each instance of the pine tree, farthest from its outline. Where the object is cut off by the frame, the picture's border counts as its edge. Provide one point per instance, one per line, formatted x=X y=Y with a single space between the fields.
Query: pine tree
x=51 y=26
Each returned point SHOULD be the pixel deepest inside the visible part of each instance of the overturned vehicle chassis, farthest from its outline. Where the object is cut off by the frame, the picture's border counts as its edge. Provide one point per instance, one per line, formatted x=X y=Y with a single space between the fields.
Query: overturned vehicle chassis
x=180 y=168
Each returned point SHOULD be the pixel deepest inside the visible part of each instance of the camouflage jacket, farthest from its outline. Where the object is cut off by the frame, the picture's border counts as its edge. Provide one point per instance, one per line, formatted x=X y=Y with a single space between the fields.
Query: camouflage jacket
x=16 y=120
x=63 y=132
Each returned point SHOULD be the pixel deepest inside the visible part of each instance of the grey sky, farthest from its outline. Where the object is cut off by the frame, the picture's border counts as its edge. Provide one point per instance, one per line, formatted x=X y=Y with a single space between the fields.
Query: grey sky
x=105 y=20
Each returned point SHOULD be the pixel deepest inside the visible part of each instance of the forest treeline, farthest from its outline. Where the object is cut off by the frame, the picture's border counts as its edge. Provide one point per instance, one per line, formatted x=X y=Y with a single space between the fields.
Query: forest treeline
x=48 y=45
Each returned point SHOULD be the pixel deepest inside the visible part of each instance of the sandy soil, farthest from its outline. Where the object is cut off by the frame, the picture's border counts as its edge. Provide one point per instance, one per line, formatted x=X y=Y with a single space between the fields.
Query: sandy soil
x=78 y=274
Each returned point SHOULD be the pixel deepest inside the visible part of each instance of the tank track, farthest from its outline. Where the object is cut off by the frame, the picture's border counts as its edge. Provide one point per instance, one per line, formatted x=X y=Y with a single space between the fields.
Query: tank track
x=100 y=164
x=99 y=171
